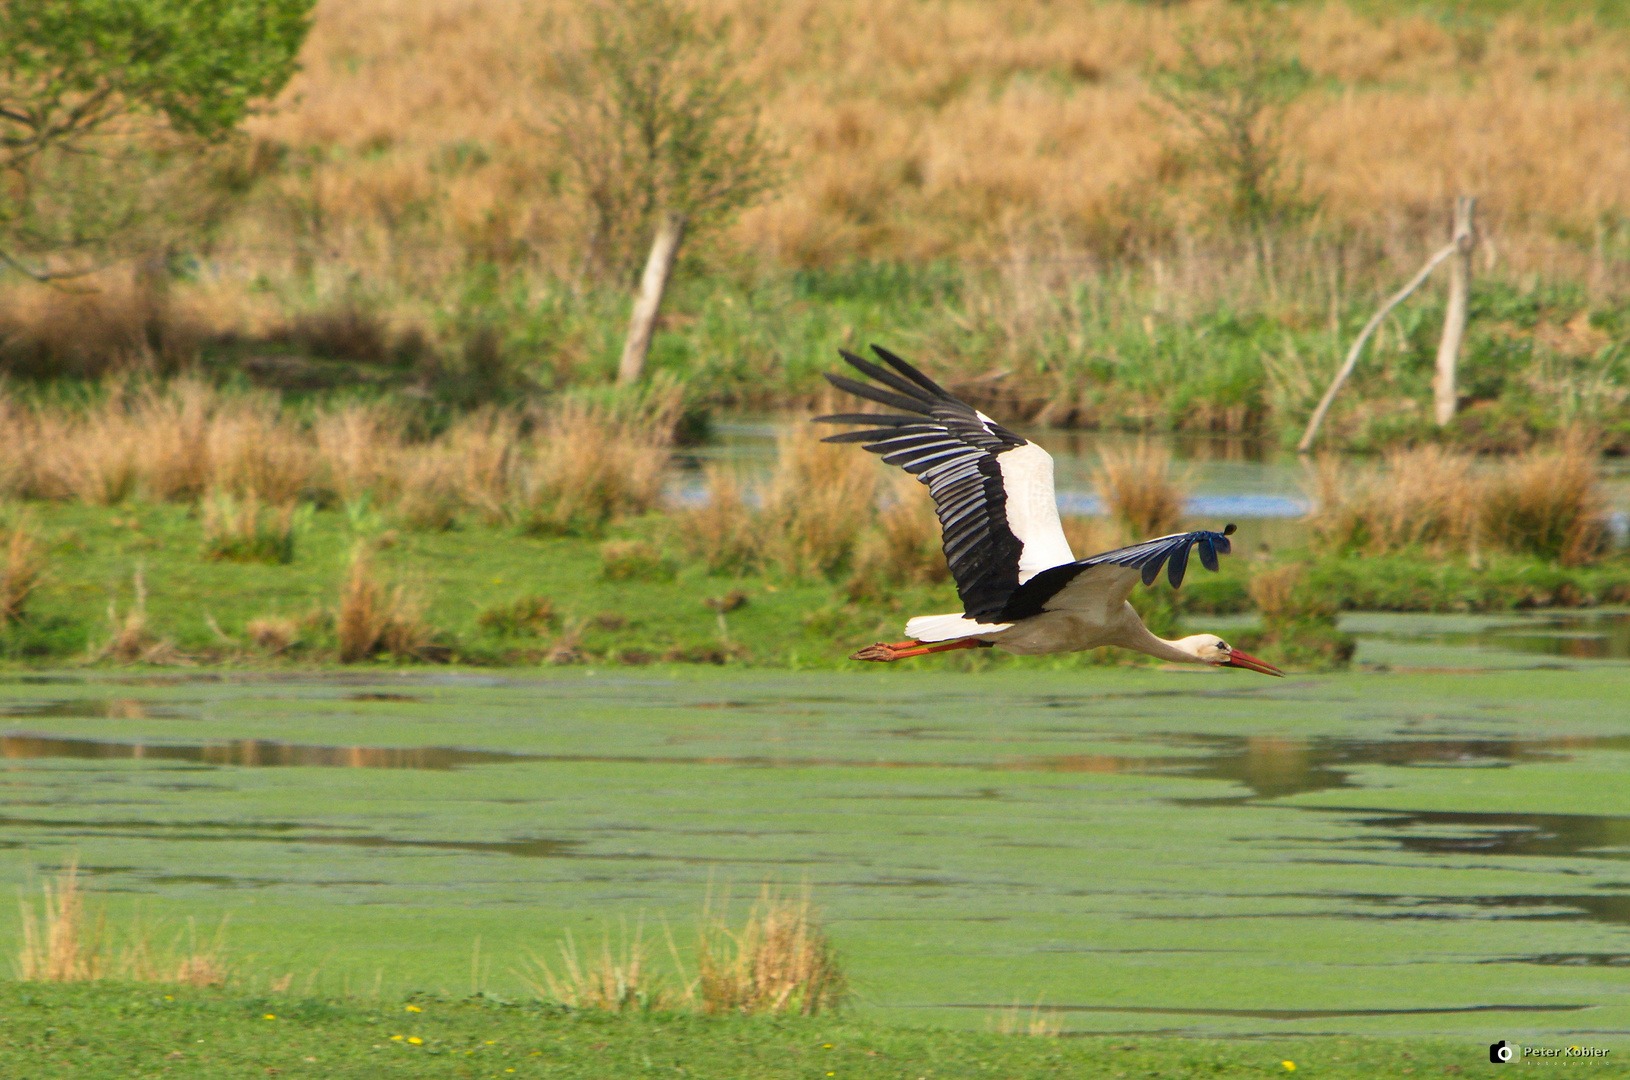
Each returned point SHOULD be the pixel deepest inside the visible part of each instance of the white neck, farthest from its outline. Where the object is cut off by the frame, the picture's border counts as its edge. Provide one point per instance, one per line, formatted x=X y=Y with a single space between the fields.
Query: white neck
x=1181 y=651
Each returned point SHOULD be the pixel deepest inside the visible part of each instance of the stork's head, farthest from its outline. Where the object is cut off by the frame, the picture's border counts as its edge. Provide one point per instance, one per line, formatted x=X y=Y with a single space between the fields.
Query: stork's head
x=1213 y=650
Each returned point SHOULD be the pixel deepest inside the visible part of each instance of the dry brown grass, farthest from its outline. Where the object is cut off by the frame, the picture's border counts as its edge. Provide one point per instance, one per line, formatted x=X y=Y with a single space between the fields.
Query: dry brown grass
x=719 y=532
x=903 y=546
x=932 y=131
x=613 y=980
x=1546 y=502
x=779 y=962
x=61 y=941
x=22 y=565
x=130 y=638
x=360 y=446
x=483 y=452
x=1141 y=491
x=819 y=502
x=65 y=940
x=273 y=634
x=373 y=619
x=1016 y=1020
x=1417 y=497
x=597 y=459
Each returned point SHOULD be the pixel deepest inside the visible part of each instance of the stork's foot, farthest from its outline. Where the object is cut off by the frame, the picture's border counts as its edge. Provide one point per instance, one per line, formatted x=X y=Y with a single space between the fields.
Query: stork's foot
x=883 y=651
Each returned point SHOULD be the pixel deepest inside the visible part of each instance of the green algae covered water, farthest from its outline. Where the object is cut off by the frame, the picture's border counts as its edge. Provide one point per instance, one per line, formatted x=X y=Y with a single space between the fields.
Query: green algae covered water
x=1437 y=844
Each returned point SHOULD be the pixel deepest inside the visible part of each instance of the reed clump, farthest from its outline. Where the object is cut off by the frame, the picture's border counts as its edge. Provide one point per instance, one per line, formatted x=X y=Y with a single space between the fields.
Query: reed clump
x=372 y=619
x=719 y=532
x=66 y=939
x=598 y=459
x=1546 y=502
x=779 y=962
x=1140 y=490
x=819 y=502
x=22 y=566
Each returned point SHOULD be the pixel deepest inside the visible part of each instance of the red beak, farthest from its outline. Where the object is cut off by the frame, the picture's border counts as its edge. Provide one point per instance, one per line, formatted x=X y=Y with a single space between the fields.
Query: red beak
x=1251 y=663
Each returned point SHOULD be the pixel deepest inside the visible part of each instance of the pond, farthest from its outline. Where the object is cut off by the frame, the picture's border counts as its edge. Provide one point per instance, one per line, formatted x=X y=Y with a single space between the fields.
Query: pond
x=1438 y=842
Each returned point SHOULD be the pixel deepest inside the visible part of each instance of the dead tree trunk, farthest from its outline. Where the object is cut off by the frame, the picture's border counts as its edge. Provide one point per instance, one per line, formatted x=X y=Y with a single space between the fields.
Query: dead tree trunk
x=653 y=283
x=1454 y=319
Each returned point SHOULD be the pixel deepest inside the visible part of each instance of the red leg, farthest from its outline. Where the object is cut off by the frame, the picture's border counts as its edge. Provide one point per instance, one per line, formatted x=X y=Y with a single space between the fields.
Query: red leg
x=882 y=652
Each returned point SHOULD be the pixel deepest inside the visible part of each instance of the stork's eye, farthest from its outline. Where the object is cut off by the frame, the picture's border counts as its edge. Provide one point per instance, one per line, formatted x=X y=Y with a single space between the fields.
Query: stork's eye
x=1223 y=645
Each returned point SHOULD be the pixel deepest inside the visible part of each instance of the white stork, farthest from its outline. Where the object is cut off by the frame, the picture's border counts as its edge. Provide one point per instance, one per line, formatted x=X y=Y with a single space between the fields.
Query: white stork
x=1022 y=588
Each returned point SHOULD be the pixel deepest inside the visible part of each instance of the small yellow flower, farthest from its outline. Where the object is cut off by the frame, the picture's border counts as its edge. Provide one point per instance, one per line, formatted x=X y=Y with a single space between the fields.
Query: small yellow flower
x=415 y=1040
x=1290 y=1066
x=826 y=1046
x=414 y=1008
x=396 y=1038
x=271 y=1016
x=492 y=1042
x=167 y=997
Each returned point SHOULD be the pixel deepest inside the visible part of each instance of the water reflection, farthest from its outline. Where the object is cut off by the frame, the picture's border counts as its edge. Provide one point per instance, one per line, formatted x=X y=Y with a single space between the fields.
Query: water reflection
x=1575 y=635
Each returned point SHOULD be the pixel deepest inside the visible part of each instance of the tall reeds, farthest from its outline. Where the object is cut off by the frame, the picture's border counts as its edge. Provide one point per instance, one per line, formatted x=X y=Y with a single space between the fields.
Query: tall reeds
x=67 y=939
x=598 y=458
x=1546 y=502
x=1140 y=490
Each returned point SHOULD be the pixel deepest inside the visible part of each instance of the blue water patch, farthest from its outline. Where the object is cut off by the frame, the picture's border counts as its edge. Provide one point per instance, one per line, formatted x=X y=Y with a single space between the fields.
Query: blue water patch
x=1086 y=504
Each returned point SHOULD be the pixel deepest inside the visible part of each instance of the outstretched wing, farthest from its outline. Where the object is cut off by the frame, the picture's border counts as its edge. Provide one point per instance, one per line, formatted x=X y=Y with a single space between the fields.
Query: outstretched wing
x=992 y=490
x=1102 y=583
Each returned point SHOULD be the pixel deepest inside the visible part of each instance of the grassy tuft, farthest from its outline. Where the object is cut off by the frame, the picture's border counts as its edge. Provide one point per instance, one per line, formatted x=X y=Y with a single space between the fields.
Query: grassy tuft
x=246 y=530
x=779 y=962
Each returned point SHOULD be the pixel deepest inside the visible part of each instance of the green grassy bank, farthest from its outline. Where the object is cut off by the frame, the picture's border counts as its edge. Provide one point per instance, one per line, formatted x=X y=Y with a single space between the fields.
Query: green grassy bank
x=490 y=594
x=92 y=1032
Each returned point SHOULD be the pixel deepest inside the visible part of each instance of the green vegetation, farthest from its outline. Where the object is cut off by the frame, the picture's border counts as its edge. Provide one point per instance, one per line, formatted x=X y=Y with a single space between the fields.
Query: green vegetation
x=491 y=594
x=104 y=1032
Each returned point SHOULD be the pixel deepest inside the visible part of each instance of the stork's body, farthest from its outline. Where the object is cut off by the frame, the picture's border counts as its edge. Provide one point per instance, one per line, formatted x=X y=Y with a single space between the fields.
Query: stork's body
x=1022 y=588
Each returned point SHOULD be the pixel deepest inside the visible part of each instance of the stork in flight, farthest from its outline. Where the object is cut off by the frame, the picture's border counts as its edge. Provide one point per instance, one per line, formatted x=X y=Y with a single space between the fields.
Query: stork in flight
x=1022 y=588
